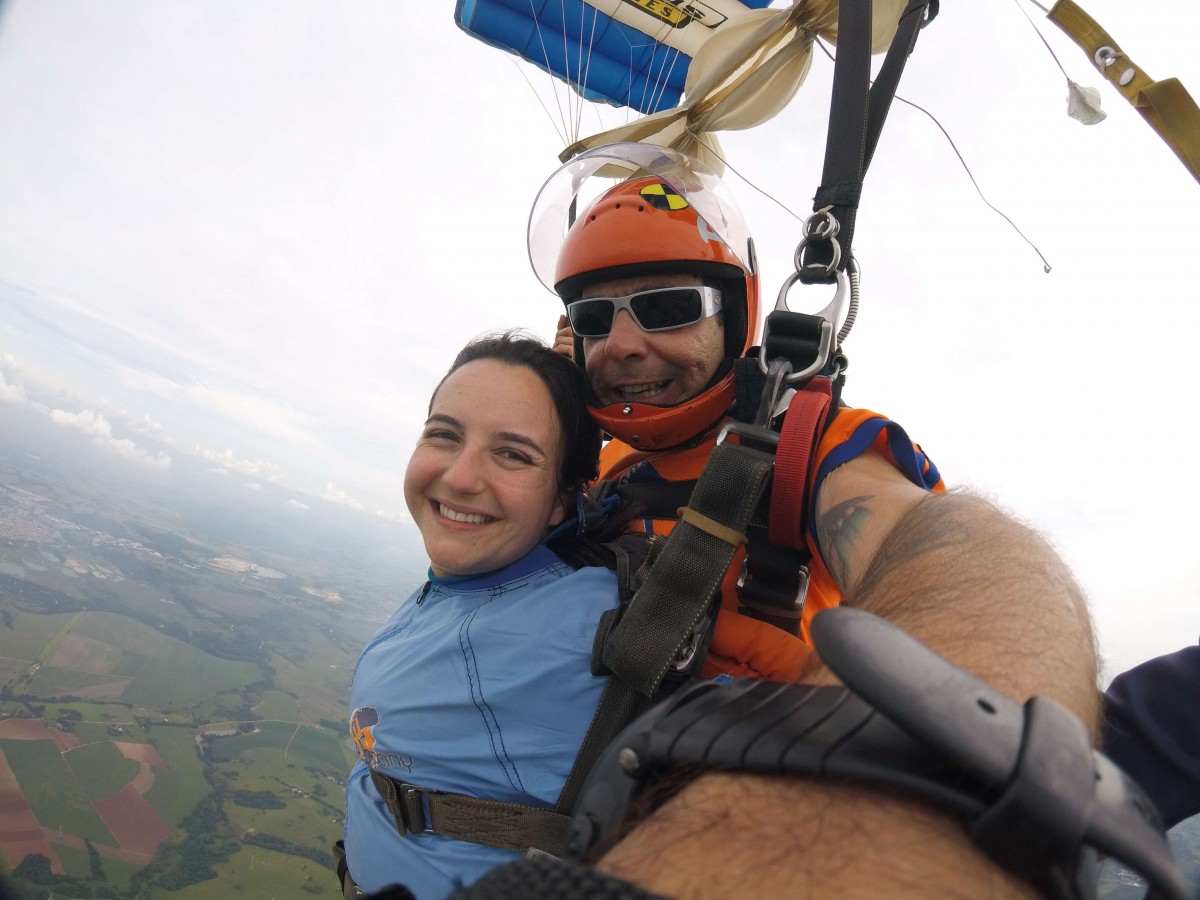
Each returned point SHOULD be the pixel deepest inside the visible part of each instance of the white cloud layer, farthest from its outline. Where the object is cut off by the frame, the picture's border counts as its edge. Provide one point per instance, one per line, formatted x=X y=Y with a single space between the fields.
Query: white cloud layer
x=11 y=393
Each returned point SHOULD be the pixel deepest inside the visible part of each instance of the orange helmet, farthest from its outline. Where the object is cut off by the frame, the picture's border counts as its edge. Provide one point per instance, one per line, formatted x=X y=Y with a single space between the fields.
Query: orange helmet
x=674 y=220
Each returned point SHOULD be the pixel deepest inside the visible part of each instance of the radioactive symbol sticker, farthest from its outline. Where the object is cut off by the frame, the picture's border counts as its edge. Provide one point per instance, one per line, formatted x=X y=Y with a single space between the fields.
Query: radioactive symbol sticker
x=662 y=197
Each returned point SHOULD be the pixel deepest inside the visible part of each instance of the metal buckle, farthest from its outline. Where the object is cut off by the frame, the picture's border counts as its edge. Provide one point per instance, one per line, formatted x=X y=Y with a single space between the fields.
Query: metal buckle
x=751 y=432
x=802 y=576
x=411 y=806
x=685 y=655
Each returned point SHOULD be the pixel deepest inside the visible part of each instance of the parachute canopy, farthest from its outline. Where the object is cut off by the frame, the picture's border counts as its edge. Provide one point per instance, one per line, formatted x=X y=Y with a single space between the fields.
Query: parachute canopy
x=632 y=53
x=737 y=62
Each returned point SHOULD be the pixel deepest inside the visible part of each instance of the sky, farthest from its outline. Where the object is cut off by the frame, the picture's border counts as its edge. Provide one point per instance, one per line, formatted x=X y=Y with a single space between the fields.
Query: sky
x=255 y=233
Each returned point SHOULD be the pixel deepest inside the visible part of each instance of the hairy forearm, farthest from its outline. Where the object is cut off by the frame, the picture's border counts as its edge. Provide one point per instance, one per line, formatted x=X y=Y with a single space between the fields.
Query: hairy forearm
x=987 y=592
x=978 y=587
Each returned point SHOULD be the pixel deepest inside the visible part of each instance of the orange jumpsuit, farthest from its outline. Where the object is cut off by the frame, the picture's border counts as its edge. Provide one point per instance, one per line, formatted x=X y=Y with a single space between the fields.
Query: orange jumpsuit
x=742 y=646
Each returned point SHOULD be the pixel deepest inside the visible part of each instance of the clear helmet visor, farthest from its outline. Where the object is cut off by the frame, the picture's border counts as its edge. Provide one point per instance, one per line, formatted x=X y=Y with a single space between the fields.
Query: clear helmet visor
x=574 y=186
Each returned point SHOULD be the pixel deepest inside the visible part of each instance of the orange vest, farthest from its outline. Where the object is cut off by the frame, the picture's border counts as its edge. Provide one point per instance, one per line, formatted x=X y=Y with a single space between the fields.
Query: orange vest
x=742 y=646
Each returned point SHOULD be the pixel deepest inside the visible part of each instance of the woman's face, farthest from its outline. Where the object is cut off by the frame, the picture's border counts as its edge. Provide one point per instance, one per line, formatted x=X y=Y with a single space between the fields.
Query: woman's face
x=482 y=483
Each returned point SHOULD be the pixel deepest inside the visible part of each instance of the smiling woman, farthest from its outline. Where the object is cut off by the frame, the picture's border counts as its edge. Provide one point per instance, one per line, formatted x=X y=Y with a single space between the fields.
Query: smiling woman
x=479 y=689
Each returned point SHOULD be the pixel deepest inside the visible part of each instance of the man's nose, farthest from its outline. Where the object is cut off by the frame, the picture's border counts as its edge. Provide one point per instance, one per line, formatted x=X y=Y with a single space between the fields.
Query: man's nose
x=626 y=338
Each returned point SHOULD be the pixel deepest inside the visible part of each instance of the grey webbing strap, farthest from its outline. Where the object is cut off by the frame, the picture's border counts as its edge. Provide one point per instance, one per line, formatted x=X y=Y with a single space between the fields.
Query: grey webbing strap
x=661 y=624
x=509 y=826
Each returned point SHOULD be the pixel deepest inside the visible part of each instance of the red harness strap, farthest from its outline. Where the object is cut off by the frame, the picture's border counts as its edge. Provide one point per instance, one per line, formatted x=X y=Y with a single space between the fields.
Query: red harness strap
x=802 y=427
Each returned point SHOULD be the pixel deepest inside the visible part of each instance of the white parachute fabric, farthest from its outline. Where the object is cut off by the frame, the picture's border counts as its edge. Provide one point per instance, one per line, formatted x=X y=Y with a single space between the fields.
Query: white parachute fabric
x=744 y=75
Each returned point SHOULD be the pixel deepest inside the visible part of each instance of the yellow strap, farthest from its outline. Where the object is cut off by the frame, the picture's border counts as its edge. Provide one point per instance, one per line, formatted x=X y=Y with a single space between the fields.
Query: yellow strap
x=711 y=526
x=1166 y=104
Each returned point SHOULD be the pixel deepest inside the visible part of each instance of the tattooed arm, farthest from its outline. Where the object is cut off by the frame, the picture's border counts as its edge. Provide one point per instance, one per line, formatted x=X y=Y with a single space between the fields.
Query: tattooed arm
x=964 y=578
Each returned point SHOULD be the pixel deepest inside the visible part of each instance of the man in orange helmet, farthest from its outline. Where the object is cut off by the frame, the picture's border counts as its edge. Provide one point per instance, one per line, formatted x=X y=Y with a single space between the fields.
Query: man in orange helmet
x=661 y=291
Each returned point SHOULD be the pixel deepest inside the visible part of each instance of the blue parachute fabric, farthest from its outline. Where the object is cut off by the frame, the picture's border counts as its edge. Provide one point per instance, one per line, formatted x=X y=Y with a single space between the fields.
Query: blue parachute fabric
x=600 y=57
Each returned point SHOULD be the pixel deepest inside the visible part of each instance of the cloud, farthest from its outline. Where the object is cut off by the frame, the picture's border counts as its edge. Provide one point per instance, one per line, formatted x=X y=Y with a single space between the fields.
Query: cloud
x=245 y=407
x=227 y=461
x=296 y=504
x=88 y=421
x=143 y=424
x=130 y=451
x=252 y=486
x=336 y=495
x=99 y=429
x=10 y=393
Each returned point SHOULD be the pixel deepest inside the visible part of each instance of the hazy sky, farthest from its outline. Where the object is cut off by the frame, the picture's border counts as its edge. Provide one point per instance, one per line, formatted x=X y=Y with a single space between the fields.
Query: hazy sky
x=257 y=232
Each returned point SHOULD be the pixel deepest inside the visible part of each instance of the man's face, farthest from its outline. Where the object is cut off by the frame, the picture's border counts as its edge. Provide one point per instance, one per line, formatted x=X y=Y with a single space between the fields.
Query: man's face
x=663 y=368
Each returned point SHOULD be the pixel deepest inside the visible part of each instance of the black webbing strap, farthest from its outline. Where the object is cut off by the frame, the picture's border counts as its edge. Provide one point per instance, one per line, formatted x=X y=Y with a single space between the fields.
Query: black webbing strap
x=509 y=826
x=664 y=621
x=856 y=116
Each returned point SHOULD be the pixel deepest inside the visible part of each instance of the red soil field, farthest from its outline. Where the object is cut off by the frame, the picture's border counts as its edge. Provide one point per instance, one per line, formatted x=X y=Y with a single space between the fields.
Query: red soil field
x=132 y=820
x=143 y=753
x=36 y=730
x=20 y=834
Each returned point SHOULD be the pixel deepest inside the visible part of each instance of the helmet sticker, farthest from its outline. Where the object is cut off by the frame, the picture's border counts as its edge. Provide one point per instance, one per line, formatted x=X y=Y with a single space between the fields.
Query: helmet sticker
x=660 y=196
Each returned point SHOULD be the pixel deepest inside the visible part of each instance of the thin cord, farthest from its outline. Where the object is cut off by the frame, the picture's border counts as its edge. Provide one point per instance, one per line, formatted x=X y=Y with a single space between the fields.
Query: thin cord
x=1040 y=35
x=699 y=139
x=1045 y=264
x=549 y=115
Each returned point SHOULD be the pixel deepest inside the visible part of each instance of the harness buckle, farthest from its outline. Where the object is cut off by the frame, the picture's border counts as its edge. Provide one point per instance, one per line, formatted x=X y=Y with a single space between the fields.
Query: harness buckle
x=749 y=433
x=687 y=653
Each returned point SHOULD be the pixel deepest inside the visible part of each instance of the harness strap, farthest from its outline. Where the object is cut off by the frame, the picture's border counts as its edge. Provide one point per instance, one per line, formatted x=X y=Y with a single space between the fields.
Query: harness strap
x=509 y=826
x=856 y=115
x=665 y=621
x=802 y=429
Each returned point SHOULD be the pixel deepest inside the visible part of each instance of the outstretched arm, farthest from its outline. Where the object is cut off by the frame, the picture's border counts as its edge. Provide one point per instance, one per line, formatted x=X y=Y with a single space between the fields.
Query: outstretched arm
x=978 y=587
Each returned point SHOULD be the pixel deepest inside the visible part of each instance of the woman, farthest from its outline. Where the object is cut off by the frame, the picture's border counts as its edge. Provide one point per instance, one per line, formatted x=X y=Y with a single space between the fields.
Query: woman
x=480 y=684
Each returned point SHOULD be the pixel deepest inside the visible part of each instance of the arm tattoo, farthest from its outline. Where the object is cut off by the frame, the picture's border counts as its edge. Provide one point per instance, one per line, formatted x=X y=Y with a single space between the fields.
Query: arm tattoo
x=837 y=530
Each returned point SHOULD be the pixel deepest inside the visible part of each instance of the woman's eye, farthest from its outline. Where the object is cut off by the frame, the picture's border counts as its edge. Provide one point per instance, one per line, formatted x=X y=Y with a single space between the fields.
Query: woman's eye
x=515 y=456
x=440 y=434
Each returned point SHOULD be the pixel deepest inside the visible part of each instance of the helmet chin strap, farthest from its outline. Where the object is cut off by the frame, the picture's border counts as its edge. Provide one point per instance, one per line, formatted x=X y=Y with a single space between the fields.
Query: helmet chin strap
x=647 y=427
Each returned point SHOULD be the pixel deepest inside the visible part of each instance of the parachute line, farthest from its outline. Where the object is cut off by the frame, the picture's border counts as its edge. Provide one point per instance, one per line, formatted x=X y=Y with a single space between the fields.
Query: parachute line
x=562 y=115
x=698 y=137
x=549 y=115
x=1041 y=36
x=1045 y=264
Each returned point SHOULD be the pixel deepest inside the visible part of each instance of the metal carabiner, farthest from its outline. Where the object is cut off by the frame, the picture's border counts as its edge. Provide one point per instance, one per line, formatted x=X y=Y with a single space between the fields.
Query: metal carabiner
x=831 y=314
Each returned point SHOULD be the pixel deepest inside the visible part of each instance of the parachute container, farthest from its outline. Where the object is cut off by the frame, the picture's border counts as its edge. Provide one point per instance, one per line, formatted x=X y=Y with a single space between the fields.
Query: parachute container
x=631 y=53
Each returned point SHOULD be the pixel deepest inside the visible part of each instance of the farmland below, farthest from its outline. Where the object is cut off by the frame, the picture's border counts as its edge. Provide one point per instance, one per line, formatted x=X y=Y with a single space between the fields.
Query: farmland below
x=172 y=693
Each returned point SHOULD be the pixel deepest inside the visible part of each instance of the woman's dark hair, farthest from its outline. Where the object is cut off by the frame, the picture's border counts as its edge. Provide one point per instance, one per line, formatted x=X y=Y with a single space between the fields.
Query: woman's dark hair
x=580 y=459
x=580 y=456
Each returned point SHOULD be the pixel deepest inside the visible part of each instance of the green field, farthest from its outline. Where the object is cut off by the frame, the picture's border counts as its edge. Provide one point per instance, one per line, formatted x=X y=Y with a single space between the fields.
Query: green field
x=254 y=873
x=177 y=790
x=54 y=682
x=30 y=634
x=181 y=675
x=115 y=713
x=278 y=705
x=51 y=790
x=100 y=769
x=321 y=692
